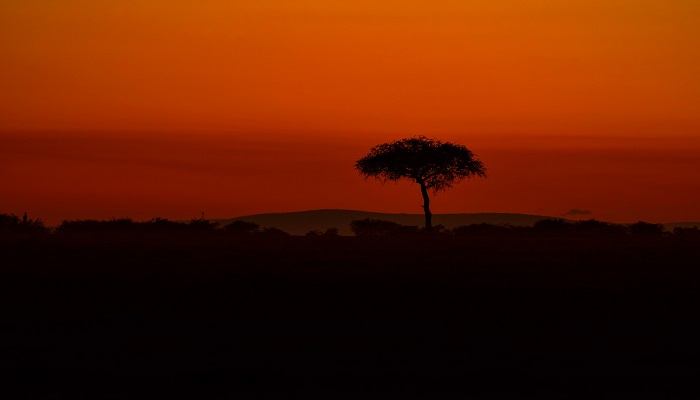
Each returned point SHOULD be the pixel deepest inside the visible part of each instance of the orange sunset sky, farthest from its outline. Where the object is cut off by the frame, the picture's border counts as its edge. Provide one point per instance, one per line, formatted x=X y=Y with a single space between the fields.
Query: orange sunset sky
x=172 y=108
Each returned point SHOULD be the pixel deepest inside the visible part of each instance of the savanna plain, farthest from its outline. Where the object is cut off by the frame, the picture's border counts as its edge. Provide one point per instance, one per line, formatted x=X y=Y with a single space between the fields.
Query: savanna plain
x=545 y=311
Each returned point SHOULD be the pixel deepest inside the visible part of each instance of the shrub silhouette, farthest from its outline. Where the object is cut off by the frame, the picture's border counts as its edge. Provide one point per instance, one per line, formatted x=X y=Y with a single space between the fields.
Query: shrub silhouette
x=201 y=224
x=552 y=225
x=11 y=223
x=8 y=222
x=162 y=225
x=593 y=226
x=331 y=232
x=646 y=228
x=240 y=227
x=378 y=227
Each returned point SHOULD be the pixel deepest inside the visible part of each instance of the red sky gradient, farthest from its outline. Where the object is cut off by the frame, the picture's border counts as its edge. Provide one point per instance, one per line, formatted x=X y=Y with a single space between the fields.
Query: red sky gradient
x=171 y=108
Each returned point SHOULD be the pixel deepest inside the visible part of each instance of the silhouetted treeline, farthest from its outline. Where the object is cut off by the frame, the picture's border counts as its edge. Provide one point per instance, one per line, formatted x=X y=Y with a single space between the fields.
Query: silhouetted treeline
x=164 y=226
x=128 y=225
x=374 y=227
x=12 y=224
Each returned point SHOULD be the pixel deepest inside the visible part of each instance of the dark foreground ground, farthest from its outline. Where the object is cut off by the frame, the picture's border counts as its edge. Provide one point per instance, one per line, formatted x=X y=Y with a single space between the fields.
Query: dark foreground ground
x=504 y=316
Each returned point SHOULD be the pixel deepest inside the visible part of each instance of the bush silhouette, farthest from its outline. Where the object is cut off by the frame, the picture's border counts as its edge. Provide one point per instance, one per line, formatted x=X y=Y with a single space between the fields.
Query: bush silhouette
x=240 y=227
x=646 y=228
x=552 y=225
x=11 y=223
x=593 y=226
x=201 y=224
x=162 y=225
x=331 y=232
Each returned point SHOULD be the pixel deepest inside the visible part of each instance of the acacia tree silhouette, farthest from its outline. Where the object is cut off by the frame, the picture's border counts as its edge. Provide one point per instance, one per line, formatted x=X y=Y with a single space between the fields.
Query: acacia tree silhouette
x=430 y=163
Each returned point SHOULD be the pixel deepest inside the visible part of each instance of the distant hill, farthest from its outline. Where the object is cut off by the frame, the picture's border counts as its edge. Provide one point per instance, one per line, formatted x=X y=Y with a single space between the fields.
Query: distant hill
x=298 y=223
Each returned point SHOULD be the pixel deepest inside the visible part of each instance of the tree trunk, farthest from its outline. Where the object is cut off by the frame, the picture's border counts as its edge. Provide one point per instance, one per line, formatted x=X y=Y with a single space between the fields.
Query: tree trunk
x=426 y=208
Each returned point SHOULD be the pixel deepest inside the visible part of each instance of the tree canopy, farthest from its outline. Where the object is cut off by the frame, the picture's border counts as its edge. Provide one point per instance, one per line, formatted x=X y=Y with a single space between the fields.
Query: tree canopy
x=431 y=162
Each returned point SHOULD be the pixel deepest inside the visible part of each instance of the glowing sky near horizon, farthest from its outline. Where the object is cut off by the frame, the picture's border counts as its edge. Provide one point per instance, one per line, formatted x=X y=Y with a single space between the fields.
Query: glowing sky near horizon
x=169 y=108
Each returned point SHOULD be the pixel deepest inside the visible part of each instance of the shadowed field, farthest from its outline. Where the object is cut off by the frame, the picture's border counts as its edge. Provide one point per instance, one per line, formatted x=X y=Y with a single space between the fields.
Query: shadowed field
x=210 y=316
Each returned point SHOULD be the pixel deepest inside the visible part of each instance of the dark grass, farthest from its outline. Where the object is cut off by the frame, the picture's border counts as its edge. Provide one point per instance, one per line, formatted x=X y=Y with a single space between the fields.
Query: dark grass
x=509 y=315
